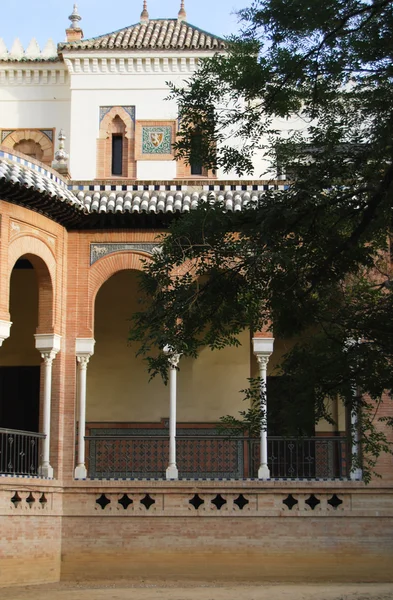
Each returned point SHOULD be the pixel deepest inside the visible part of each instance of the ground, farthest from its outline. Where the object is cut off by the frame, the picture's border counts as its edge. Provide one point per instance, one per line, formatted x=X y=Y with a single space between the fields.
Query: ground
x=198 y=591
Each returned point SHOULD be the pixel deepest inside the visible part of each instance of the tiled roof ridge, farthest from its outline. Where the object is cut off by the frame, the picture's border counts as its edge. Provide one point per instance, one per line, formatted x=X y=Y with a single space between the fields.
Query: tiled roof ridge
x=93 y=43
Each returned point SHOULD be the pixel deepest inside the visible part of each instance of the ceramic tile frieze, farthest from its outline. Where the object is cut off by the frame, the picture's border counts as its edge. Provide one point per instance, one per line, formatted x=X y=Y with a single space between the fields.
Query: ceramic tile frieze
x=97 y=251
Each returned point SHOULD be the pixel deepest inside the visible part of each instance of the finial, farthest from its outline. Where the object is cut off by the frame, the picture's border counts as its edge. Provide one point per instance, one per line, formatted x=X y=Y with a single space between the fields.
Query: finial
x=144 y=13
x=182 y=16
x=74 y=32
x=60 y=163
x=75 y=18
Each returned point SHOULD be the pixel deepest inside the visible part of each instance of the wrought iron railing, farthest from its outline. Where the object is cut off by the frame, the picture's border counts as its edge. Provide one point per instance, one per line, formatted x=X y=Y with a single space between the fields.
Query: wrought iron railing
x=20 y=452
x=216 y=456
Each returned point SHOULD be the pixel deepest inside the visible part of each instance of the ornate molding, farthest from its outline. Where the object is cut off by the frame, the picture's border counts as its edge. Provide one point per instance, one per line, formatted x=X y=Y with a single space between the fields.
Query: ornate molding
x=90 y=65
x=16 y=73
x=19 y=227
x=98 y=251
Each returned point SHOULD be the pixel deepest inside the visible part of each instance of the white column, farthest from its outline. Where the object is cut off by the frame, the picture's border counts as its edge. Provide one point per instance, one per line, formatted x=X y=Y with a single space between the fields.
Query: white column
x=5 y=327
x=84 y=350
x=263 y=348
x=48 y=345
x=173 y=359
x=356 y=474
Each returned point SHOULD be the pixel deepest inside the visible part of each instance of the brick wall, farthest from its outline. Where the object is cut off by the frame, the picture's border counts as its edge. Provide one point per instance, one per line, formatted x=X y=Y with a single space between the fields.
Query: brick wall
x=30 y=540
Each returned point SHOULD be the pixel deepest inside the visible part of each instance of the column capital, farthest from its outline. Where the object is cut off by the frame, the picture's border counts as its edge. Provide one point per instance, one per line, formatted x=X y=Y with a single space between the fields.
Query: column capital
x=48 y=357
x=5 y=327
x=173 y=356
x=83 y=360
x=263 y=359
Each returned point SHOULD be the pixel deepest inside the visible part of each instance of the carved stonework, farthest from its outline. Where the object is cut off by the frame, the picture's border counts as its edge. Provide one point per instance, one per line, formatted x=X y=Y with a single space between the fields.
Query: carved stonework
x=18 y=227
x=97 y=251
x=174 y=360
x=262 y=360
x=83 y=361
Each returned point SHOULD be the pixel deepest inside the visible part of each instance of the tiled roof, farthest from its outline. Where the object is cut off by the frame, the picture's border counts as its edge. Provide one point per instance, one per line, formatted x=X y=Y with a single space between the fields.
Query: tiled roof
x=157 y=34
x=31 y=184
x=24 y=175
x=154 y=202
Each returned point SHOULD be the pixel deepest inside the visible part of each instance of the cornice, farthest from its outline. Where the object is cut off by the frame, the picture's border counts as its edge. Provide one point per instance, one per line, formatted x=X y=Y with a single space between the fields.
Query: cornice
x=115 y=63
x=33 y=73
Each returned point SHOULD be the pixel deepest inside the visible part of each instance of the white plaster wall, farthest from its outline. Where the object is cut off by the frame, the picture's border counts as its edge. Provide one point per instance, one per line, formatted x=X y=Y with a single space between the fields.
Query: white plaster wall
x=156 y=169
x=146 y=92
x=36 y=106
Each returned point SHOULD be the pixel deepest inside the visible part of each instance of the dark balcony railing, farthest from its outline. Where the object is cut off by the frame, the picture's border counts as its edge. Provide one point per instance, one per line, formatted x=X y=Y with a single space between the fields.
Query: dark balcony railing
x=20 y=452
x=216 y=456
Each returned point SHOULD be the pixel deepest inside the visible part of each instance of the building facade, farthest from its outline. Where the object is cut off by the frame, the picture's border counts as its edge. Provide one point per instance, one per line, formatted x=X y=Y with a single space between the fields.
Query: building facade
x=103 y=473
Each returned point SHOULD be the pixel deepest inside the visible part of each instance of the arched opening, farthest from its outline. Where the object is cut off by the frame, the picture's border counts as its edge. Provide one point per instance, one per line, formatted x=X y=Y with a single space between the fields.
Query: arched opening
x=30 y=148
x=117 y=381
x=19 y=360
x=127 y=416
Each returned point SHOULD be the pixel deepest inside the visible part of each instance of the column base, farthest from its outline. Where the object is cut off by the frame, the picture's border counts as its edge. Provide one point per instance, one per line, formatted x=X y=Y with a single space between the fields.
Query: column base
x=80 y=472
x=45 y=471
x=172 y=472
x=263 y=472
x=356 y=475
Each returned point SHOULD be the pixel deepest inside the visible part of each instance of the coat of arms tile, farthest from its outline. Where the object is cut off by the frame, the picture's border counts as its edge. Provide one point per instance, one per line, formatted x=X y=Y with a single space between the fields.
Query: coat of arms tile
x=156 y=140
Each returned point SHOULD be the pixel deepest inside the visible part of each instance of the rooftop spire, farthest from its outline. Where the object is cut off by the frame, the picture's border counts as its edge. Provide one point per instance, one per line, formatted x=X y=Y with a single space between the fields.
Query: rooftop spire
x=182 y=16
x=144 y=13
x=74 y=32
x=75 y=18
x=60 y=163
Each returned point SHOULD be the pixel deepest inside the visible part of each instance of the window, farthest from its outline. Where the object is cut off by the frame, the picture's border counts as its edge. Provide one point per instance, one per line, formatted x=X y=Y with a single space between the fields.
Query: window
x=195 y=154
x=117 y=154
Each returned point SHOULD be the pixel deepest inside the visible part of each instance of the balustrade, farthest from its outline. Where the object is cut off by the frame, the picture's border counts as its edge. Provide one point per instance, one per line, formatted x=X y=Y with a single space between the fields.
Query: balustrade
x=20 y=452
x=216 y=457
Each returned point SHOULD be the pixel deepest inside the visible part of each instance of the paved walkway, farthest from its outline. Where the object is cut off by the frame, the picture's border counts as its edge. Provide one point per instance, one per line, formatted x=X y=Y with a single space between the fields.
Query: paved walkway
x=198 y=591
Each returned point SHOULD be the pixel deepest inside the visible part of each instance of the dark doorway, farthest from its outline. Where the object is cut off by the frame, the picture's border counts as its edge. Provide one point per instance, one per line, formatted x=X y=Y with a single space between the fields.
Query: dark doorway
x=20 y=398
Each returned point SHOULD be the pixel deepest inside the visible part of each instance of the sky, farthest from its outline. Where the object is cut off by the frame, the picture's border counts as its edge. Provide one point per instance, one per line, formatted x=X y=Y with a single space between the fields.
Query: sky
x=44 y=19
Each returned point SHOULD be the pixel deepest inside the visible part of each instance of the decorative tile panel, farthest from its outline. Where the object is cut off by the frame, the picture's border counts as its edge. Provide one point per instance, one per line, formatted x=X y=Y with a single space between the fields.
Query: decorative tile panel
x=99 y=250
x=48 y=133
x=157 y=140
x=5 y=133
x=129 y=110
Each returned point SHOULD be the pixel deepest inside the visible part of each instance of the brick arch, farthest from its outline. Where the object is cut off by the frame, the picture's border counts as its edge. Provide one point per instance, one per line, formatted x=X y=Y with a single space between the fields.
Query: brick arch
x=116 y=111
x=35 y=135
x=104 y=268
x=44 y=263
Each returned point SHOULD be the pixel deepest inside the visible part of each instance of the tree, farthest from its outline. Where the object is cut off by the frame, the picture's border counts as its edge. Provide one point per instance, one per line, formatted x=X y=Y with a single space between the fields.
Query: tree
x=312 y=259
